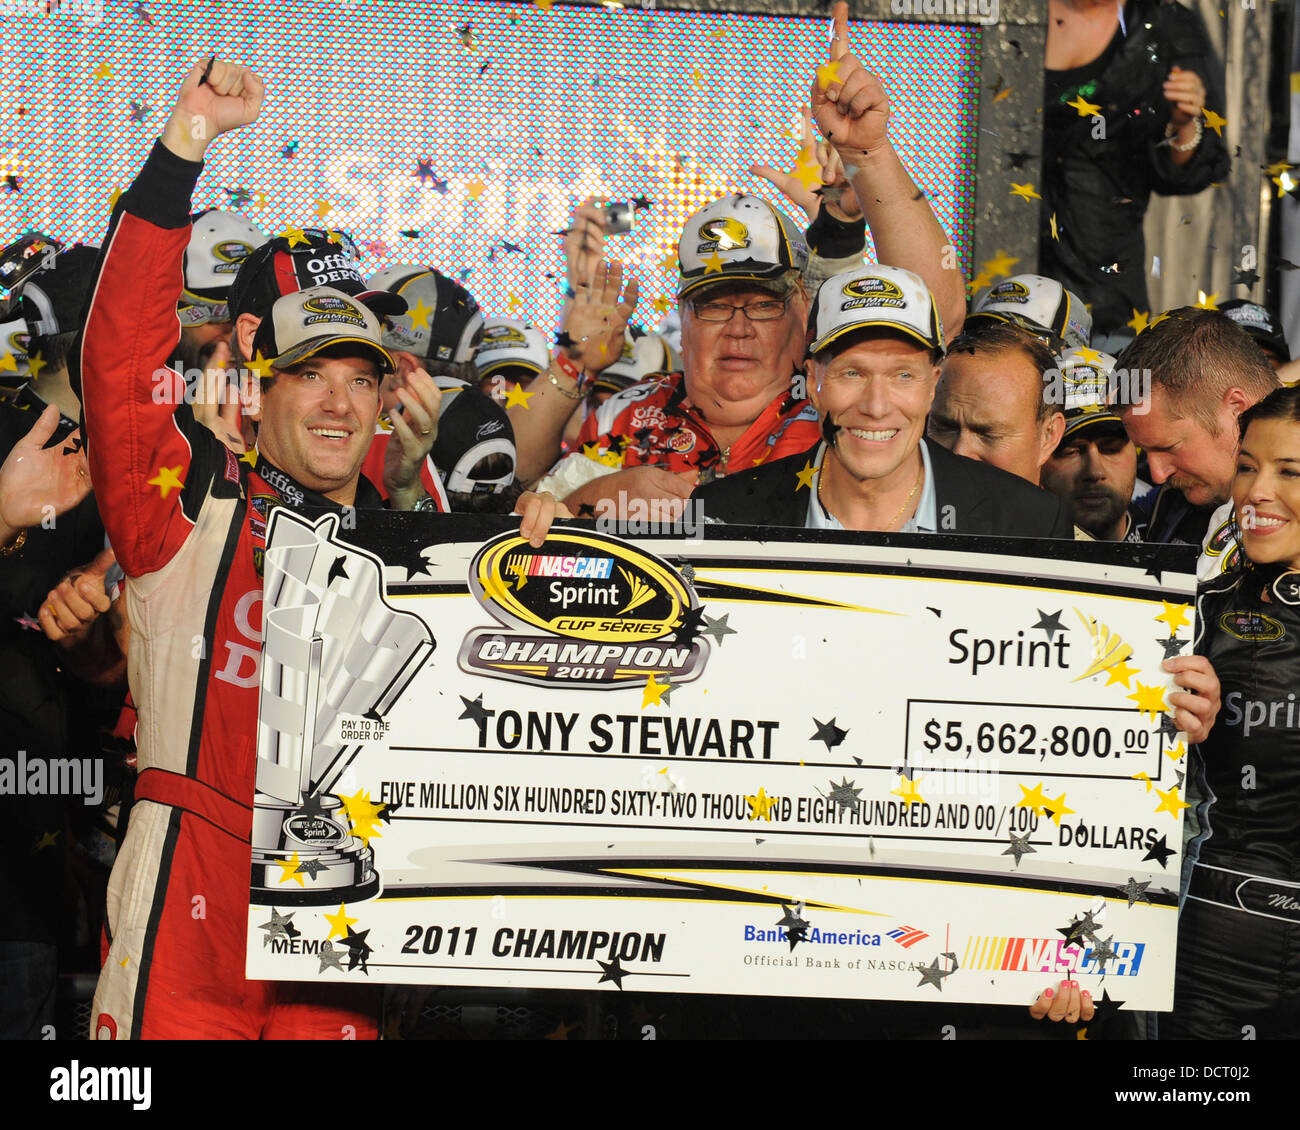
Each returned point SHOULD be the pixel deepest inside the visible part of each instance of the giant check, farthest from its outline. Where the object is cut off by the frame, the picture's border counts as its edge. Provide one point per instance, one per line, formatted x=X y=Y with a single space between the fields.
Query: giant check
x=817 y=765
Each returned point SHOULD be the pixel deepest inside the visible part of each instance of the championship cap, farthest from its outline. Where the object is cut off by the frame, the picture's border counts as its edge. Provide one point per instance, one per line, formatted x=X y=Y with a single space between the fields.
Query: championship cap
x=874 y=297
x=1039 y=305
x=471 y=428
x=738 y=239
x=442 y=320
x=1086 y=375
x=642 y=355
x=299 y=260
x=1260 y=323
x=303 y=324
x=219 y=242
x=508 y=344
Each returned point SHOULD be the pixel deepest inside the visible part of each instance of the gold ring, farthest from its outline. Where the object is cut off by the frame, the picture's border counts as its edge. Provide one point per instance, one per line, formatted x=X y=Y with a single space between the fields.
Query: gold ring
x=425 y=431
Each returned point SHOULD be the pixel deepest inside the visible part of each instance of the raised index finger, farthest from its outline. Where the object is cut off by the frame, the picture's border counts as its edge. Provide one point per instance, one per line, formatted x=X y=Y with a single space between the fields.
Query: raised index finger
x=839 y=31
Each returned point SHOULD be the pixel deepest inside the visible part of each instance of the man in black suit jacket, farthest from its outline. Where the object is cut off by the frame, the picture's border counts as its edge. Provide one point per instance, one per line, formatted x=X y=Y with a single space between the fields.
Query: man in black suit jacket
x=875 y=341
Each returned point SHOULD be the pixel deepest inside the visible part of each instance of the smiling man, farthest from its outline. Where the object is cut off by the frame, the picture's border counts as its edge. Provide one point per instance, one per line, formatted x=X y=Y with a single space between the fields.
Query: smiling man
x=875 y=341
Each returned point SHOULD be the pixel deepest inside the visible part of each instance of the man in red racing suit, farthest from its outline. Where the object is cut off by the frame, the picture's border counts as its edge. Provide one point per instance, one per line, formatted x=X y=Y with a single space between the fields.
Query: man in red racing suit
x=187 y=518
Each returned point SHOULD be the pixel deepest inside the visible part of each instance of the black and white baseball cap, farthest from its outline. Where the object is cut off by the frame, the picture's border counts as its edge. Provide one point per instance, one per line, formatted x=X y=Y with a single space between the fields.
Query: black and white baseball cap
x=442 y=321
x=299 y=260
x=1085 y=374
x=307 y=322
x=511 y=344
x=1039 y=305
x=738 y=239
x=472 y=427
x=874 y=297
x=1260 y=324
x=219 y=242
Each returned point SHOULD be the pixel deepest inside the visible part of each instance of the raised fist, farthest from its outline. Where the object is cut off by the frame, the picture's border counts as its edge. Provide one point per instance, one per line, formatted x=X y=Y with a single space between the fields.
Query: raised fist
x=215 y=98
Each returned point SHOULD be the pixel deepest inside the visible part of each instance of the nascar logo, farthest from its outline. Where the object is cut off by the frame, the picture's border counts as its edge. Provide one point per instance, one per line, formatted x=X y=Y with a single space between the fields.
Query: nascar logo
x=1050 y=955
x=871 y=291
x=1009 y=292
x=498 y=337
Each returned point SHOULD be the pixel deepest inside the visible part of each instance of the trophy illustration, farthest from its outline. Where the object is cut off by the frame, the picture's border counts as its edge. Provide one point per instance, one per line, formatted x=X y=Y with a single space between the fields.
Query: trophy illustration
x=333 y=648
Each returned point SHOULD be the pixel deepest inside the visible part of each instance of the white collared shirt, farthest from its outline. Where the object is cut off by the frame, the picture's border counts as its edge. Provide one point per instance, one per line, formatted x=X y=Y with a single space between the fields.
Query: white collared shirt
x=924 y=521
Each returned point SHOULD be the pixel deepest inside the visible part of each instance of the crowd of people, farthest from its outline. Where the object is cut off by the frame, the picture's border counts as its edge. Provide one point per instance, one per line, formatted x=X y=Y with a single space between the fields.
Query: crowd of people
x=171 y=387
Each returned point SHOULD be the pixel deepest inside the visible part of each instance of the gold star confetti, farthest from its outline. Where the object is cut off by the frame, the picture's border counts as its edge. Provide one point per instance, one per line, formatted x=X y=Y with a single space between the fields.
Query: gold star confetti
x=561 y=1031
x=166 y=480
x=1005 y=92
x=805 y=477
x=828 y=73
x=652 y=693
x=1057 y=808
x=907 y=789
x=340 y=922
x=323 y=208
x=1084 y=108
x=295 y=236
x=713 y=264
x=1206 y=301
x=1178 y=752
x=8 y=363
x=760 y=806
x=1138 y=322
x=1214 y=122
x=807 y=172
x=1056 y=233
x=999 y=265
x=1150 y=700
x=1121 y=672
x=545 y=5
x=259 y=366
x=103 y=70
x=363 y=814
x=249 y=457
x=697 y=77
x=47 y=840
x=474 y=189
x=661 y=304
x=1034 y=800
x=1171 y=802
x=1143 y=776
x=289 y=870
x=514 y=301
x=979 y=282
x=516 y=396
x=113 y=198
x=1175 y=615
x=1024 y=191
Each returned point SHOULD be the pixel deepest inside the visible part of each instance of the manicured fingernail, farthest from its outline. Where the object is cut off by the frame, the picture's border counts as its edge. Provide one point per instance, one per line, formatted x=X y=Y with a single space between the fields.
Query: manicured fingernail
x=1049 y=993
x=1065 y=984
x=1074 y=984
x=1087 y=994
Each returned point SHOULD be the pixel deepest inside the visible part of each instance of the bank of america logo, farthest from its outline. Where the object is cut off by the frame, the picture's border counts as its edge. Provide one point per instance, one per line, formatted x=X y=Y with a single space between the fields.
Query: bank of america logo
x=908 y=936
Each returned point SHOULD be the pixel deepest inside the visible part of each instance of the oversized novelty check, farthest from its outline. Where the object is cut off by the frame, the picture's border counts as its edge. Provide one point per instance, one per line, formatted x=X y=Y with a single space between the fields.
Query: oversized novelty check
x=819 y=764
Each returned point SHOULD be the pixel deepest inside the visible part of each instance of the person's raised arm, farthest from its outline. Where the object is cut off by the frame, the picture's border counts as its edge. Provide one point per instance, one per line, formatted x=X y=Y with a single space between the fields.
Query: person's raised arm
x=851 y=108
x=150 y=460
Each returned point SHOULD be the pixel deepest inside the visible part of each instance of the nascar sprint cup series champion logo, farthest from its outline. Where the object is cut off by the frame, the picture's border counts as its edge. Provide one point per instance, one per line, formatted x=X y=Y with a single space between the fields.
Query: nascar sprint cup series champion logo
x=585 y=610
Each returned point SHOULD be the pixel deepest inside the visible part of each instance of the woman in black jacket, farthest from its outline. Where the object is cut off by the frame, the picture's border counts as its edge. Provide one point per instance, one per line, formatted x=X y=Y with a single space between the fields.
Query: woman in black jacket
x=1133 y=104
x=1239 y=933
